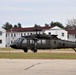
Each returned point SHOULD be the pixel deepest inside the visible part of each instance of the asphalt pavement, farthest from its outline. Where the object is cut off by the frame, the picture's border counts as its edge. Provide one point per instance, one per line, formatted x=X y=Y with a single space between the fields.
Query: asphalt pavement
x=37 y=67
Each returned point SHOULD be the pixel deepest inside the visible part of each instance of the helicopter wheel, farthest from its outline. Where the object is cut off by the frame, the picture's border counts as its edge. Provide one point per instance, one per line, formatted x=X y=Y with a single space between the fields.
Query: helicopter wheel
x=25 y=50
x=35 y=50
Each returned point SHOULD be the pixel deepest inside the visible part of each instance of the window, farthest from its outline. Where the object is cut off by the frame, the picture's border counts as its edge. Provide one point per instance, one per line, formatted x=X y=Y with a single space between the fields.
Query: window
x=21 y=34
x=62 y=34
x=24 y=34
x=31 y=33
x=43 y=41
x=6 y=35
x=39 y=41
x=0 y=41
x=49 y=33
x=11 y=42
x=24 y=41
x=14 y=35
x=28 y=33
x=11 y=35
x=75 y=36
x=31 y=41
x=0 y=32
x=68 y=36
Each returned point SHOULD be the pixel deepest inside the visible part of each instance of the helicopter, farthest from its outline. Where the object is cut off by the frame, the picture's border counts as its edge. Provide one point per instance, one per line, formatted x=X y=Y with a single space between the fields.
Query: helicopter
x=41 y=41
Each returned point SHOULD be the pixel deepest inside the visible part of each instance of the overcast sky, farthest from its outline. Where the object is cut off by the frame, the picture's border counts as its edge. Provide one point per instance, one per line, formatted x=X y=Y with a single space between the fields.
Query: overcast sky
x=30 y=12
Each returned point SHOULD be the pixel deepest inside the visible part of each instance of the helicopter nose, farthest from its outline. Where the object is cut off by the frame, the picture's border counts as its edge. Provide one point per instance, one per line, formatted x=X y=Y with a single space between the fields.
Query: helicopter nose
x=13 y=46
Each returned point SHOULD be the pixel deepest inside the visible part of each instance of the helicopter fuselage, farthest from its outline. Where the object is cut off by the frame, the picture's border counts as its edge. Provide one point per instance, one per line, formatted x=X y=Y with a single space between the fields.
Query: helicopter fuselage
x=35 y=43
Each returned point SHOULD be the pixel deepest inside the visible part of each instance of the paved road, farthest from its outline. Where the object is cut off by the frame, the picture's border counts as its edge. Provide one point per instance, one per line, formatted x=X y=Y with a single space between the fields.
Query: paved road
x=37 y=67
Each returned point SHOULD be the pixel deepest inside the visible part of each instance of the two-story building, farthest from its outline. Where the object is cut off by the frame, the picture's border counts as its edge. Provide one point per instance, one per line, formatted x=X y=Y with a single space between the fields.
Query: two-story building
x=7 y=37
x=15 y=33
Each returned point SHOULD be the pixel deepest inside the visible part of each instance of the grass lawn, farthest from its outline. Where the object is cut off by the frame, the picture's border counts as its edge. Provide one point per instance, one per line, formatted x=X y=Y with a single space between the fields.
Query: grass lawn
x=38 y=55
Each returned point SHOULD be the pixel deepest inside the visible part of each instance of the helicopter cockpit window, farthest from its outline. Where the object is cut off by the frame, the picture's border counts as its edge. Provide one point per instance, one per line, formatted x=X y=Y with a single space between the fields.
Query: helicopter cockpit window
x=17 y=40
x=39 y=42
x=20 y=40
x=43 y=41
x=24 y=41
x=31 y=41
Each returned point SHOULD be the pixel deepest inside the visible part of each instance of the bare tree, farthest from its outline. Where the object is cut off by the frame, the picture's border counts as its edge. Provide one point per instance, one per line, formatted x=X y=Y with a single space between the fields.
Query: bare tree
x=71 y=23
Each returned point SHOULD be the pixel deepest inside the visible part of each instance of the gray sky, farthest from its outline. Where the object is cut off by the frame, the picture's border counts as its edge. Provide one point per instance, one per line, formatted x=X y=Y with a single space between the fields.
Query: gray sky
x=30 y=12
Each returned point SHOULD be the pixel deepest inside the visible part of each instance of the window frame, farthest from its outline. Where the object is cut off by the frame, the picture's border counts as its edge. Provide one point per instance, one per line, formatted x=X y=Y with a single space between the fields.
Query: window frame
x=62 y=34
x=0 y=41
x=0 y=33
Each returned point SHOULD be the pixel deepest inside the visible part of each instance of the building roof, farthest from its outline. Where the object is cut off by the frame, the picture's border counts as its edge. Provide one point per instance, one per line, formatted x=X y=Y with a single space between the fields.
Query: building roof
x=72 y=31
x=28 y=29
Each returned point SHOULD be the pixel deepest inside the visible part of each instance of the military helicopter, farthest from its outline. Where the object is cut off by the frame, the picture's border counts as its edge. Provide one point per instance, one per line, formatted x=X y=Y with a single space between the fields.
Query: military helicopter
x=41 y=41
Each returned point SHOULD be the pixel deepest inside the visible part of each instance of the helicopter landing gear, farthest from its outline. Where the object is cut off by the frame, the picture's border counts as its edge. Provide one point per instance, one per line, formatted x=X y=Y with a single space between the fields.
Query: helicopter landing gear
x=25 y=50
x=34 y=46
x=34 y=50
